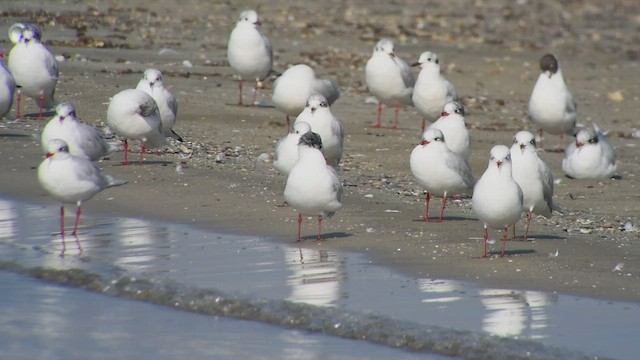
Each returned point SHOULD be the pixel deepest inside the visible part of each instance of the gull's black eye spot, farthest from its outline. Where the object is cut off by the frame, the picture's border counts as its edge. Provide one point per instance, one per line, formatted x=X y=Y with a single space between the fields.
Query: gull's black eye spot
x=323 y=104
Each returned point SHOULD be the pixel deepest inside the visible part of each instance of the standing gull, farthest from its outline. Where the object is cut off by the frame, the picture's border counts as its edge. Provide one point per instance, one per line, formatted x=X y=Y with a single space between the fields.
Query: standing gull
x=287 y=148
x=534 y=177
x=318 y=114
x=431 y=91
x=389 y=79
x=83 y=140
x=34 y=68
x=551 y=106
x=439 y=170
x=249 y=52
x=497 y=198
x=451 y=123
x=292 y=89
x=7 y=89
x=133 y=114
x=152 y=84
x=590 y=156
x=313 y=187
x=70 y=179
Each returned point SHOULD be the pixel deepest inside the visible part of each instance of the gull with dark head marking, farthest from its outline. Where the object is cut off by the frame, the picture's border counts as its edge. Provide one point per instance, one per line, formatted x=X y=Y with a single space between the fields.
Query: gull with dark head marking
x=534 y=177
x=451 y=123
x=292 y=89
x=287 y=148
x=439 y=170
x=551 y=106
x=313 y=187
x=432 y=90
x=83 y=140
x=249 y=52
x=33 y=66
x=152 y=84
x=7 y=89
x=590 y=156
x=133 y=114
x=497 y=198
x=389 y=79
x=318 y=114
x=70 y=179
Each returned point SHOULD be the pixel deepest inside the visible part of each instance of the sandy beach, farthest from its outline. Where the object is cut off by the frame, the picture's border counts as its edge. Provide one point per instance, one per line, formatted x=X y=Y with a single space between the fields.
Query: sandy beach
x=488 y=50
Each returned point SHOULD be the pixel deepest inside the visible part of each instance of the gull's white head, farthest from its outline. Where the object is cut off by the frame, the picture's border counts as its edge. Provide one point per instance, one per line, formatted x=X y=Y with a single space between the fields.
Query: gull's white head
x=427 y=59
x=30 y=32
x=249 y=16
x=153 y=77
x=384 y=46
x=65 y=110
x=315 y=102
x=500 y=156
x=453 y=107
x=301 y=127
x=586 y=136
x=431 y=136
x=57 y=146
x=525 y=141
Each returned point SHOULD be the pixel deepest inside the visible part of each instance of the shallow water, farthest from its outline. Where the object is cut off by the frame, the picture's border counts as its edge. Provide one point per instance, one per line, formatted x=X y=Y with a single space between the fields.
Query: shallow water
x=345 y=294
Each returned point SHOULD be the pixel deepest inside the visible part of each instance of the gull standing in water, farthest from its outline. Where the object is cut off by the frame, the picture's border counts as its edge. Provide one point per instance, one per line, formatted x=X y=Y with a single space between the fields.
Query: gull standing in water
x=287 y=148
x=590 y=156
x=292 y=89
x=70 y=179
x=432 y=90
x=451 y=123
x=318 y=114
x=313 y=187
x=33 y=66
x=551 y=106
x=249 y=52
x=439 y=170
x=83 y=140
x=389 y=79
x=534 y=177
x=152 y=84
x=497 y=198
x=133 y=114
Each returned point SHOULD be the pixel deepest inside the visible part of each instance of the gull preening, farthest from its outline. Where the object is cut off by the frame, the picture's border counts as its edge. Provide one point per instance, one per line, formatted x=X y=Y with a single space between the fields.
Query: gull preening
x=497 y=198
x=439 y=170
x=389 y=79
x=152 y=84
x=71 y=179
x=451 y=123
x=318 y=114
x=133 y=114
x=432 y=90
x=7 y=89
x=551 y=106
x=292 y=89
x=249 y=52
x=590 y=156
x=534 y=177
x=83 y=140
x=313 y=187
x=33 y=66
x=286 y=155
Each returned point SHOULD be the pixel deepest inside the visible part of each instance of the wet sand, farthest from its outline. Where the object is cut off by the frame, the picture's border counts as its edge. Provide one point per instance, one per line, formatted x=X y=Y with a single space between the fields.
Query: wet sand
x=491 y=61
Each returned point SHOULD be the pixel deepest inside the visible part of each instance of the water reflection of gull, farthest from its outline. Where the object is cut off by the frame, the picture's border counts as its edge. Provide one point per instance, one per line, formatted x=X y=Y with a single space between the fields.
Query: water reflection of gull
x=140 y=242
x=316 y=276
x=447 y=290
x=8 y=221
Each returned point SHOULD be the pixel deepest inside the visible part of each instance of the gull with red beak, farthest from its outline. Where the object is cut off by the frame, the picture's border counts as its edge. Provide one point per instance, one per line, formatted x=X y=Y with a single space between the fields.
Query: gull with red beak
x=497 y=198
x=590 y=156
x=389 y=79
x=249 y=52
x=71 y=179
x=439 y=170
x=432 y=90
x=451 y=123
x=152 y=84
x=83 y=140
x=318 y=114
x=33 y=66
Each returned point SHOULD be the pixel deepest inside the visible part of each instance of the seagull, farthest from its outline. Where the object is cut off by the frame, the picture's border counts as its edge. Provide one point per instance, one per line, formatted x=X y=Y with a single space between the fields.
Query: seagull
x=551 y=106
x=152 y=84
x=439 y=170
x=431 y=91
x=318 y=114
x=292 y=89
x=313 y=187
x=133 y=114
x=7 y=89
x=451 y=123
x=71 y=179
x=534 y=177
x=34 y=68
x=83 y=140
x=590 y=156
x=249 y=52
x=497 y=198
x=389 y=79
x=287 y=148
